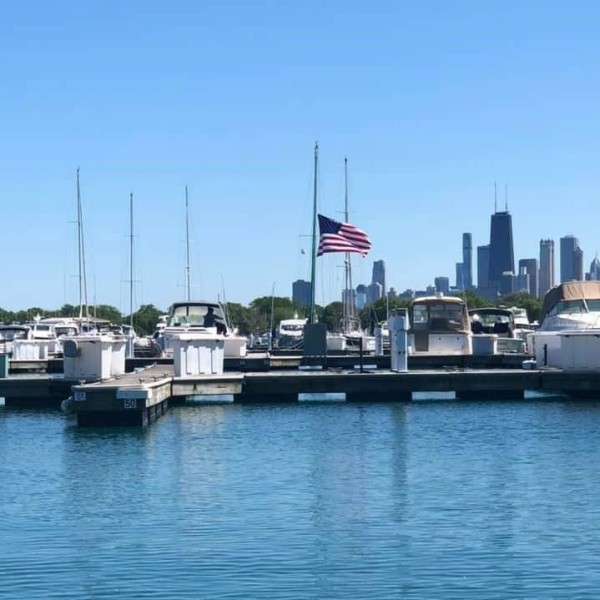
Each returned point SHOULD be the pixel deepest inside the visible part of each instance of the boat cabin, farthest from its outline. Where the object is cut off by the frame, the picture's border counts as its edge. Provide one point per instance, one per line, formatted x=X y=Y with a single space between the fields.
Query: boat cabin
x=439 y=325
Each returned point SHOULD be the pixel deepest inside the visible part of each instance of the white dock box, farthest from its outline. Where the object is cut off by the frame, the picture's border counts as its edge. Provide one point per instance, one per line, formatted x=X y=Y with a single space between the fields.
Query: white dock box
x=87 y=357
x=30 y=349
x=198 y=354
x=485 y=344
x=118 y=351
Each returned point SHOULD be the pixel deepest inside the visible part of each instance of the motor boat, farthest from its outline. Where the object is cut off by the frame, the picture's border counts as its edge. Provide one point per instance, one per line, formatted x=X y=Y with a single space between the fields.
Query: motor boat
x=439 y=325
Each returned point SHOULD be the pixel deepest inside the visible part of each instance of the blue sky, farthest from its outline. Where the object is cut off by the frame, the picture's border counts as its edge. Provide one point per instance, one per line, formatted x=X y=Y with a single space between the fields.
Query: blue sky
x=431 y=101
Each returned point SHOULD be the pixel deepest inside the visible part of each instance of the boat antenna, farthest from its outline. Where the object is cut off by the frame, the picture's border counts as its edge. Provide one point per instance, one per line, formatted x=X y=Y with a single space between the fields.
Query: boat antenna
x=131 y=259
x=187 y=246
x=313 y=310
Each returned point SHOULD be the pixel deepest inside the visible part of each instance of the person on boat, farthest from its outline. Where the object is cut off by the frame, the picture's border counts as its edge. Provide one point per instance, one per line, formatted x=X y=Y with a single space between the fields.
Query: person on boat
x=210 y=320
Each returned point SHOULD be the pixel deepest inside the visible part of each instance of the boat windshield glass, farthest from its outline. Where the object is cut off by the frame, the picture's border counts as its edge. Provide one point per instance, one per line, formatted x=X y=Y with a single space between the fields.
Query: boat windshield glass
x=192 y=315
x=13 y=333
x=568 y=307
x=292 y=327
x=439 y=316
x=491 y=318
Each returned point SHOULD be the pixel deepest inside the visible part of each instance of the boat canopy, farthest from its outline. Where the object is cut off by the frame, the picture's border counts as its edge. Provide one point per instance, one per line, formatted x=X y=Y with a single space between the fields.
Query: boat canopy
x=576 y=296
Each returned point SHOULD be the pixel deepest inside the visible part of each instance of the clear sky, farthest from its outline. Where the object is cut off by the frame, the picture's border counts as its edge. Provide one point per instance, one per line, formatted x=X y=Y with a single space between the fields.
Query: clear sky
x=431 y=101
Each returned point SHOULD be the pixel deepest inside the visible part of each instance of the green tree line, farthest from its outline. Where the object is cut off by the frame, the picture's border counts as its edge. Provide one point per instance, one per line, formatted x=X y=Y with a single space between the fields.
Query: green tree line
x=264 y=313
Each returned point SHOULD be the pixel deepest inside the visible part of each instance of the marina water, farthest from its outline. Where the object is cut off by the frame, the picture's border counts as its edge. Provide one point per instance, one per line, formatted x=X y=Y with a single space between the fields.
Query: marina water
x=311 y=500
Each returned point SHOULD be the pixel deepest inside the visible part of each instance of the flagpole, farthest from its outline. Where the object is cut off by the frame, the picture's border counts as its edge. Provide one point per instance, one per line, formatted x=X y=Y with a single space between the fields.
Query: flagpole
x=313 y=309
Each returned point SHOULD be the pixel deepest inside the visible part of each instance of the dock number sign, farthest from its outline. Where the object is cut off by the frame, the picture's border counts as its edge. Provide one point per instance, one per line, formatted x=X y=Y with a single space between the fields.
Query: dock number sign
x=129 y=403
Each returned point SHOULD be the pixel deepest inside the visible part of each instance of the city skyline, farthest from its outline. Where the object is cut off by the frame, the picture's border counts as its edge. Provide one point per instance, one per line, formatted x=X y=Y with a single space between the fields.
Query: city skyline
x=431 y=103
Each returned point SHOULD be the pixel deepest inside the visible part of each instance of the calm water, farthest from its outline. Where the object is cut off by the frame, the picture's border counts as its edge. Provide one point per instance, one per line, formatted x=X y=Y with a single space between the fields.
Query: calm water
x=430 y=500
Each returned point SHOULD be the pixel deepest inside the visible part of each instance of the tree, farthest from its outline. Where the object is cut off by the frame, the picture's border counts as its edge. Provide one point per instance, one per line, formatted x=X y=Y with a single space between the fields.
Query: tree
x=272 y=309
x=104 y=311
x=145 y=319
x=530 y=303
x=332 y=315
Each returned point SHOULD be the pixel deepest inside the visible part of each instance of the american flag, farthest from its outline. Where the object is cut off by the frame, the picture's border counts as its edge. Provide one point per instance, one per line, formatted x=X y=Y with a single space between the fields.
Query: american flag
x=341 y=237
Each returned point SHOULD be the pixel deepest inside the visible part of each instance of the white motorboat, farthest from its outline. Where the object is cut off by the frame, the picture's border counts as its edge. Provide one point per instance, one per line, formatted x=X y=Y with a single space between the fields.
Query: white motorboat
x=290 y=333
x=439 y=325
x=569 y=308
x=189 y=317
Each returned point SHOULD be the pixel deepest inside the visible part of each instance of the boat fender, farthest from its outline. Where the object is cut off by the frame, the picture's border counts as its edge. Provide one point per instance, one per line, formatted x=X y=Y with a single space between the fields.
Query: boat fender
x=71 y=349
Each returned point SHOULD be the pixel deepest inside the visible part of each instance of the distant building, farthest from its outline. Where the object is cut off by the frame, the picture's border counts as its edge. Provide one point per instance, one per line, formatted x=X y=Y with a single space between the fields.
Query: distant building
x=349 y=298
x=301 y=292
x=531 y=268
x=523 y=283
x=467 y=262
x=379 y=274
x=501 y=257
x=442 y=284
x=459 y=277
x=392 y=294
x=578 y=264
x=507 y=283
x=483 y=267
x=594 y=274
x=374 y=292
x=546 y=273
x=361 y=296
x=571 y=259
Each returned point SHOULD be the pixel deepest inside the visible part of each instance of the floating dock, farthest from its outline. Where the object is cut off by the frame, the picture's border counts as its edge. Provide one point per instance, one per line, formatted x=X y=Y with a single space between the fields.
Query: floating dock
x=139 y=398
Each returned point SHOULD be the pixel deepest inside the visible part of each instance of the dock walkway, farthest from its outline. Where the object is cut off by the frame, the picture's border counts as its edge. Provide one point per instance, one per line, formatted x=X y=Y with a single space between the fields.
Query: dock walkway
x=140 y=397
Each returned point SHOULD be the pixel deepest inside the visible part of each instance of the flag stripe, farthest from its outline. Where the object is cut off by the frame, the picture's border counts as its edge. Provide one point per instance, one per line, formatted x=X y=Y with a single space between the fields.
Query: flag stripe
x=341 y=237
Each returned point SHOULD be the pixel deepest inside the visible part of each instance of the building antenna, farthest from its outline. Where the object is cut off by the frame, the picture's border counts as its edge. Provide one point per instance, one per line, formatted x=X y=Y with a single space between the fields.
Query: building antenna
x=506 y=197
x=495 y=197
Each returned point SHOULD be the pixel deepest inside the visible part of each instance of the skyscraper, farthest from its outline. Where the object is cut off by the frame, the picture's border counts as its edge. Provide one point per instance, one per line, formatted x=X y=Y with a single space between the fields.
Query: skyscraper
x=467 y=262
x=502 y=259
x=379 y=274
x=301 y=292
x=483 y=267
x=530 y=267
x=546 y=280
x=459 y=277
x=571 y=259
x=442 y=284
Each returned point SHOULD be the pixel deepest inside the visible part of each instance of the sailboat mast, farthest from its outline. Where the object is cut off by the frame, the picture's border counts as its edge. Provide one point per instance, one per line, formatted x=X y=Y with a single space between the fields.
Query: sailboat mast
x=187 y=246
x=80 y=271
x=313 y=308
x=348 y=300
x=131 y=259
x=83 y=299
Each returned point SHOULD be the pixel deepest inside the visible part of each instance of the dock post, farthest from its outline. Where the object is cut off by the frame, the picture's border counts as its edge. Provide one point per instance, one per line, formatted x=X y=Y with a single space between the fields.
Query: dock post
x=399 y=340
x=4 y=362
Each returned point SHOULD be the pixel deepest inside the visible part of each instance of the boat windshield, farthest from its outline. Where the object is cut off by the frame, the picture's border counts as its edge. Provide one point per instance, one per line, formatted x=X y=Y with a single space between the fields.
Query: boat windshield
x=438 y=316
x=13 y=333
x=192 y=314
x=292 y=327
x=568 y=307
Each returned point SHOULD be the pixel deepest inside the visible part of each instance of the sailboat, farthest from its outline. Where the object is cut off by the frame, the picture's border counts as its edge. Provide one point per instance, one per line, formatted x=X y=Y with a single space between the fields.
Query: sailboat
x=188 y=316
x=351 y=335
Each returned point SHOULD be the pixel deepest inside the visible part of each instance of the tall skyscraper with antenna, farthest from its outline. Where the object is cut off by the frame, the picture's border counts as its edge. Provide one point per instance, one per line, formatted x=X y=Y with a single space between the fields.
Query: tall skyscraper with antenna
x=502 y=256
